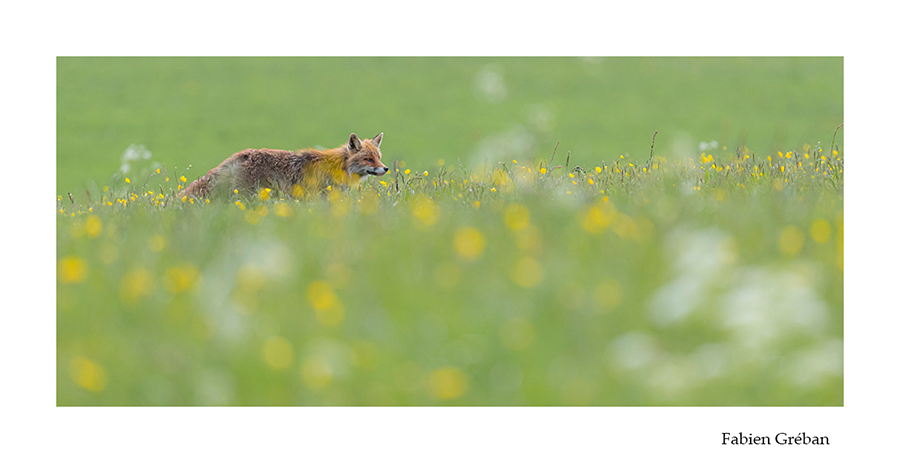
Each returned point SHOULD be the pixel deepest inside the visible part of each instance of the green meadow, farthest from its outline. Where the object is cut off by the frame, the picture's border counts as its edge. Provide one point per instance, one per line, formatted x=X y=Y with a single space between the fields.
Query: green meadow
x=553 y=231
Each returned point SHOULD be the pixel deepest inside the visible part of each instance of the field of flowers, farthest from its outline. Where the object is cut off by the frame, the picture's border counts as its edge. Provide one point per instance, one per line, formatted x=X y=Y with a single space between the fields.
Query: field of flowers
x=713 y=279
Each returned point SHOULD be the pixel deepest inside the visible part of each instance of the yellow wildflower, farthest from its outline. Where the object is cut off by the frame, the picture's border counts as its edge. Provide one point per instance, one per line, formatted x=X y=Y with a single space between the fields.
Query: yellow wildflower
x=72 y=269
x=278 y=352
x=448 y=383
x=469 y=243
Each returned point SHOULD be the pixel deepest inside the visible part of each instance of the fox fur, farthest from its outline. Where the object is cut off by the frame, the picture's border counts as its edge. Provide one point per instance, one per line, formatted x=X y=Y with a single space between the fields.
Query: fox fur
x=292 y=172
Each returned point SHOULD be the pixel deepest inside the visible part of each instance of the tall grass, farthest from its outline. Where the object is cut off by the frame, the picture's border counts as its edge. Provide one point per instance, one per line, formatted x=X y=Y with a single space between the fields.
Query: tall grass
x=715 y=279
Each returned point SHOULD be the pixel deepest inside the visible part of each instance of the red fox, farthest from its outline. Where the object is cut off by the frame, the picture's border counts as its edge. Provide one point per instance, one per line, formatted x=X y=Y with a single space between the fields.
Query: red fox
x=295 y=173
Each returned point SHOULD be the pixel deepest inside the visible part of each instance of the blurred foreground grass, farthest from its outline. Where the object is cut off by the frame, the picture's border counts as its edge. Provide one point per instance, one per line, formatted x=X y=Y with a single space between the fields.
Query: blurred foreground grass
x=710 y=280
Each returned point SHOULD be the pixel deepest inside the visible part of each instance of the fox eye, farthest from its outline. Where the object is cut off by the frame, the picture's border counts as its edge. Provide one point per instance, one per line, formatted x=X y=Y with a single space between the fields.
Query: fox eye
x=370 y=160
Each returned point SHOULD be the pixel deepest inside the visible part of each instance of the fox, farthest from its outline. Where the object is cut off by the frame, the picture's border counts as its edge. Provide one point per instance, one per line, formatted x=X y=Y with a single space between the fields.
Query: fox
x=292 y=172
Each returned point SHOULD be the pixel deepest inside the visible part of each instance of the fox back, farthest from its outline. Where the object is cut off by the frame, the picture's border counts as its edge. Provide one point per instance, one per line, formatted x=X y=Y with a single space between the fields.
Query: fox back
x=290 y=172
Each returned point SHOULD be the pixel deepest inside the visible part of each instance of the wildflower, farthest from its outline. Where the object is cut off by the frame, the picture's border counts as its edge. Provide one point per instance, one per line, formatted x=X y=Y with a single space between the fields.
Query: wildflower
x=469 y=243
x=72 y=270
x=595 y=218
x=255 y=216
x=406 y=172
x=425 y=173
x=237 y=203
x=791 y=240
x=183 y=179
x=527 y=272
x=127 y=180
x=426 y=211
x=93 y=226
x=328 y=307
x=136 y=283
x=514 y=161
x=156 y=243
x=516 y=217
x=283 y=210
x=265 y=193
x=87 y=374
x=181 y=278
x=820 y=231
x=157 y=170
x=448 y=383
x=278 y=352
x=543 y=170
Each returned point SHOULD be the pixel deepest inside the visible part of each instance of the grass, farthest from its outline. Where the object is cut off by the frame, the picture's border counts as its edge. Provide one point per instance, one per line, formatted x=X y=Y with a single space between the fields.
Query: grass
x=199 y=110
x=550 y=279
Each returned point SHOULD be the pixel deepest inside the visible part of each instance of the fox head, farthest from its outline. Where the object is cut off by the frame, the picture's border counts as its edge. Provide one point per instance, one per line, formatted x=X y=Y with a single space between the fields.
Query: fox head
x=365 y=157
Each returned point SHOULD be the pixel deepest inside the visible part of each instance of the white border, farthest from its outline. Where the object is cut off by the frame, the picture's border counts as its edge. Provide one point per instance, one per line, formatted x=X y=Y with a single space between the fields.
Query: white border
x=37 y=34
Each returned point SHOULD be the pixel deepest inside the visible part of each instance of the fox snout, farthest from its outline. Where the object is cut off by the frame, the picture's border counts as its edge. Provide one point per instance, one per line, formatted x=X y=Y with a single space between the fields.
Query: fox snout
x=379 y=171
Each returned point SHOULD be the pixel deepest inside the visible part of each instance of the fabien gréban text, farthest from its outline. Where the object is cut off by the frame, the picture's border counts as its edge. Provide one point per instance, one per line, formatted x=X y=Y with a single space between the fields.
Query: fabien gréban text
x=781 y=438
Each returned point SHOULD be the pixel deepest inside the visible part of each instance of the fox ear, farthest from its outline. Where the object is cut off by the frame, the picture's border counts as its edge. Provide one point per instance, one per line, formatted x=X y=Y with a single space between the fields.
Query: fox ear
x=377 y=140
x=354 y=143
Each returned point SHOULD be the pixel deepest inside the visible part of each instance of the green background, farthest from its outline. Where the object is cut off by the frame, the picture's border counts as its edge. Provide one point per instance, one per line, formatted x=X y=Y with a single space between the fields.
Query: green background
x=198 y=111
